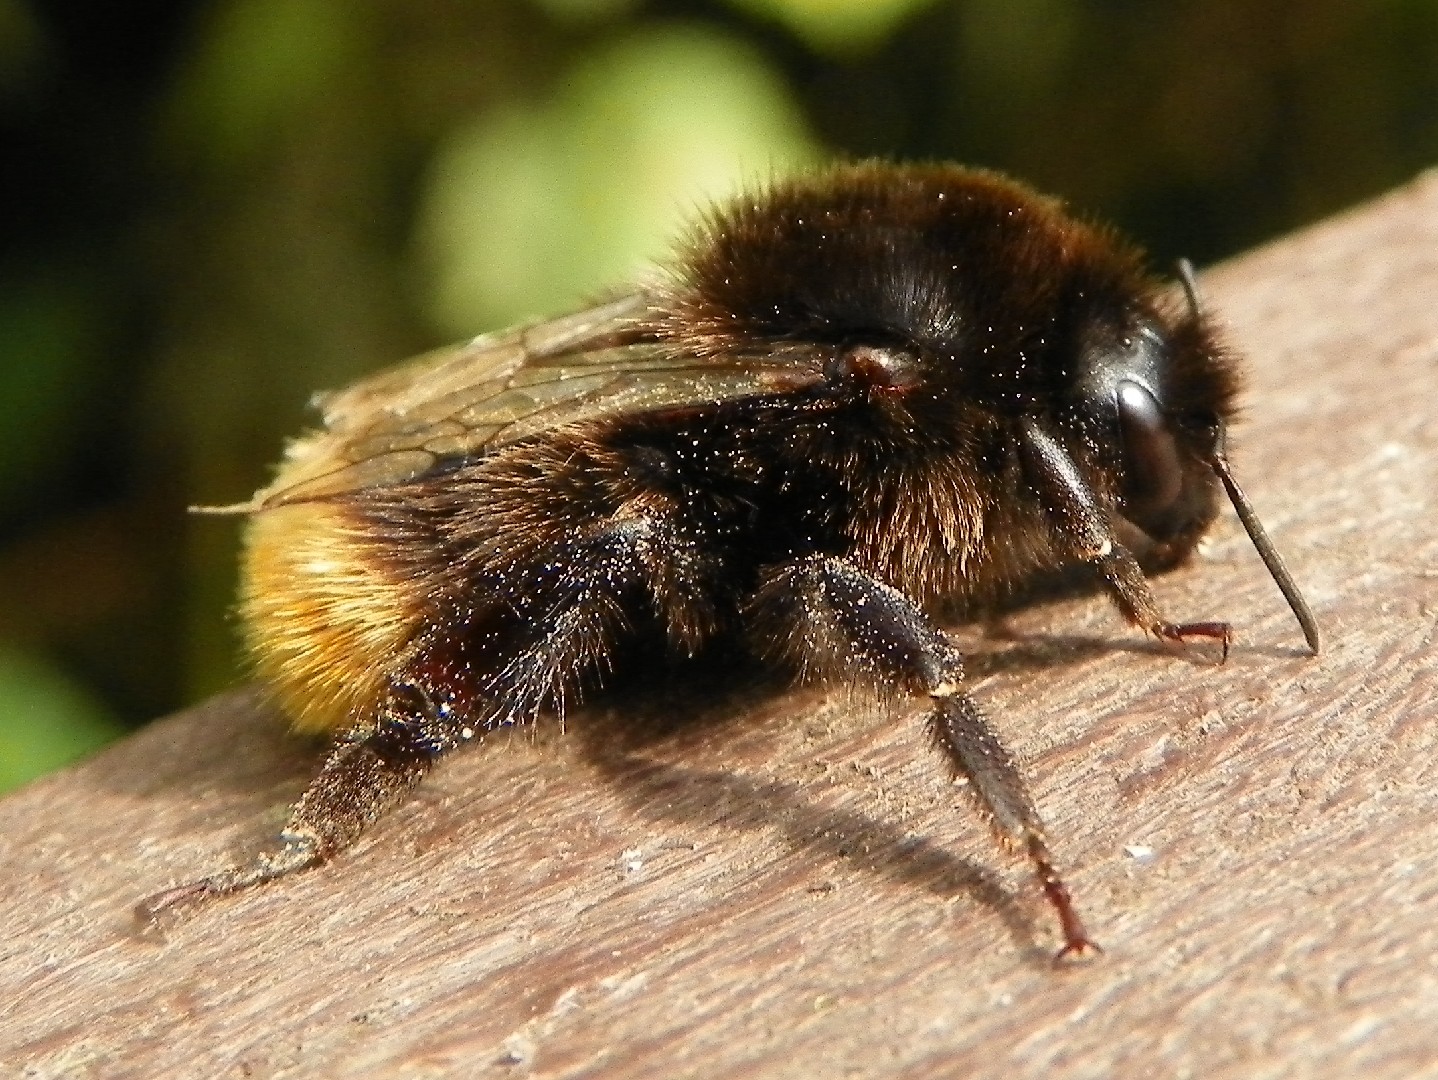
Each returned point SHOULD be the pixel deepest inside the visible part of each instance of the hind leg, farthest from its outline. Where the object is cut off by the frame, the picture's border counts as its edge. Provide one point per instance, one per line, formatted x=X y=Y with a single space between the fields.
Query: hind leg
x=365 y=775
x=462 y=685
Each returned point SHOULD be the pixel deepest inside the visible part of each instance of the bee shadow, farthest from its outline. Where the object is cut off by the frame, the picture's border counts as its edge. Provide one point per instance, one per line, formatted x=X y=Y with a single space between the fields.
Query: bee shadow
x=647 y=743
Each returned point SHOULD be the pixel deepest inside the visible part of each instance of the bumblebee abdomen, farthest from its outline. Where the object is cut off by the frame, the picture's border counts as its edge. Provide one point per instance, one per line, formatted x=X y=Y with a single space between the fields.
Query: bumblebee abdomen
x=326 y=622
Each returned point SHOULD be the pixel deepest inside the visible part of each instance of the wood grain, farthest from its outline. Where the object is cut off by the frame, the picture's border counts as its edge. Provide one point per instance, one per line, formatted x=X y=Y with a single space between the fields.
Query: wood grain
x=788 y=885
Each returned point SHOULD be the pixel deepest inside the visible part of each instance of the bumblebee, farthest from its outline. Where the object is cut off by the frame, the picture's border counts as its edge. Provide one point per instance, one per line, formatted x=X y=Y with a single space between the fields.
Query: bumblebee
x=852 y=398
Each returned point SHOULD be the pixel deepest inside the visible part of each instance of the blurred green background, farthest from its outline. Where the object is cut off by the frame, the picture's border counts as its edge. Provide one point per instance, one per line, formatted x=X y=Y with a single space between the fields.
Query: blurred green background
x=214 y=208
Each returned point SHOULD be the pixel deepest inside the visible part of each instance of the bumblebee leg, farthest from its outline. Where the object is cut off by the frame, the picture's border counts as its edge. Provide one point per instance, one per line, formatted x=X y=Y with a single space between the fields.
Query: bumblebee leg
x=1084 y=525
x=455 y=689
x=836 y=620
x=362 y=778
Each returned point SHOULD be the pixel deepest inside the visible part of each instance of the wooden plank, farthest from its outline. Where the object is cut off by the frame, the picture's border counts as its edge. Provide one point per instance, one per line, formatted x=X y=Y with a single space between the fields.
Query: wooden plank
x=789 y=886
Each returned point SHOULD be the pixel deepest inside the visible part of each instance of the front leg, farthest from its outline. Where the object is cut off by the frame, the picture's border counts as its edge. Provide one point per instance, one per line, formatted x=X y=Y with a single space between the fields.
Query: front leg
x=830 y=618
x=1084 y=527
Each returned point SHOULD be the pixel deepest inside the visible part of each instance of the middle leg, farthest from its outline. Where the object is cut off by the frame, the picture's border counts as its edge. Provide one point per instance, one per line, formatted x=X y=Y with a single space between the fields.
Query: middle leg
x=832 y=619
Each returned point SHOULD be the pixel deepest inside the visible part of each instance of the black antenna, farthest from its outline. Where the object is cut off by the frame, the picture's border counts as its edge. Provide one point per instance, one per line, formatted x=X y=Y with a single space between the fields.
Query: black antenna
x=1189 y=282
x=1271 y=558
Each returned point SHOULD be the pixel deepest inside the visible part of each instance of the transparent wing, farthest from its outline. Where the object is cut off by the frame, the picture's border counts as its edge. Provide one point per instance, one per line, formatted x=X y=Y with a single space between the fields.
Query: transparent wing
x=471 y=399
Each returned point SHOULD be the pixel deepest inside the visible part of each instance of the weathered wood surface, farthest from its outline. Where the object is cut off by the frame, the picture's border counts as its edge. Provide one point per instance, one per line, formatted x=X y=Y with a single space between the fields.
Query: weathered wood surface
x=792 y=888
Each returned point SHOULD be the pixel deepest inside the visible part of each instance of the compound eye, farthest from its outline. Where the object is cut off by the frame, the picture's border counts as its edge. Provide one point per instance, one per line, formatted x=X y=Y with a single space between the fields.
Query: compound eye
x=1153 y=472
